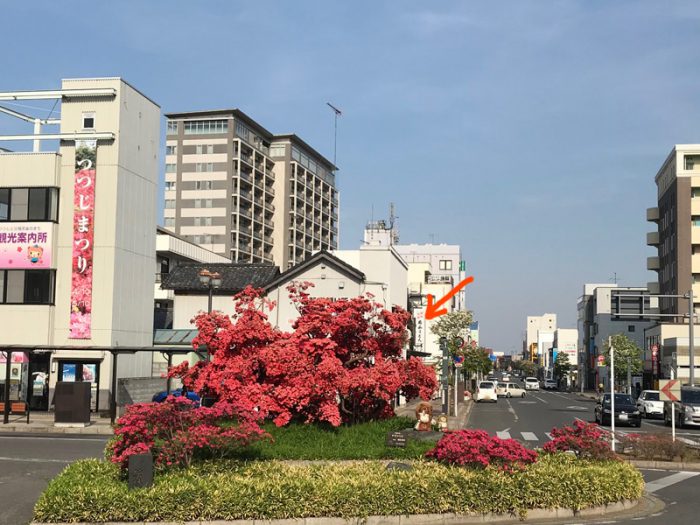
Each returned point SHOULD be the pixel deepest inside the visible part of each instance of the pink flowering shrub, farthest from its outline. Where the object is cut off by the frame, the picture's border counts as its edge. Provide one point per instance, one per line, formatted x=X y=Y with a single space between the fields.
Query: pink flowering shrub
x=174 y=431
x=586 y=440
x=475 y=448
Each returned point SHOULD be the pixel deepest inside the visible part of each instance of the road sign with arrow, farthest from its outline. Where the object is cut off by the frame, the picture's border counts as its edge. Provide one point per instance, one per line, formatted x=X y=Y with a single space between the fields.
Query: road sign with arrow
x=669 y=389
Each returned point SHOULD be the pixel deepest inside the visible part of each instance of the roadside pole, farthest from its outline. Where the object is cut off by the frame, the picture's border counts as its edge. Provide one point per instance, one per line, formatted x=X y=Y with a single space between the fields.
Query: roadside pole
x=444 y=379
x=691 y=337
x=456 y=390
x=612 y=391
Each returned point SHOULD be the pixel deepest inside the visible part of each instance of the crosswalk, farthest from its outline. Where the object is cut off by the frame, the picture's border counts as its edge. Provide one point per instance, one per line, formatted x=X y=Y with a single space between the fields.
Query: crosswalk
x=524 y=436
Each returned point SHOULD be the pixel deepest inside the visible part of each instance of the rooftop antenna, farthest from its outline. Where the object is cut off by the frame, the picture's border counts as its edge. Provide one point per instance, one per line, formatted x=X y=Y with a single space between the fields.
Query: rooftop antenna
x=392 y=222
x=614 y=278
x=337 y=113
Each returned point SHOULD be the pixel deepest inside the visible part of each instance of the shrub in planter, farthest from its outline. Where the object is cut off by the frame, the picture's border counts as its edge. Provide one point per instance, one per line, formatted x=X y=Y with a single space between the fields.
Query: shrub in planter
x=175 y=431
x=657 y=447
x=475 y=448
x=586 y=440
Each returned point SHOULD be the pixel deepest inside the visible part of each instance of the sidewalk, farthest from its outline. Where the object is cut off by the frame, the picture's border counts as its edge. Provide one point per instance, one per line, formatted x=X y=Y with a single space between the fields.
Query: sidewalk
x=43 y=423
x=453 y=423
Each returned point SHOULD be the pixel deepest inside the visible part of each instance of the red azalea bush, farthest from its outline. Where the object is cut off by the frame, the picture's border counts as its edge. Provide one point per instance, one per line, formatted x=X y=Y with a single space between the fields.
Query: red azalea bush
x=174 y=431
x=342 y=363
x=657 y=447
x=586 y=440
x=475 y=448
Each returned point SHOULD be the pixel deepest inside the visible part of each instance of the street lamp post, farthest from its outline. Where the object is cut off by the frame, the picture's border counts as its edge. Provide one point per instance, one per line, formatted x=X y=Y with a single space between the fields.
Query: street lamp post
x=211 y=280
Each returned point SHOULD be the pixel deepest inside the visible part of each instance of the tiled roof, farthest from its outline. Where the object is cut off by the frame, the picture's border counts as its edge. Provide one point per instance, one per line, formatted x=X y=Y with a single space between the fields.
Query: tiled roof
x=234 y=277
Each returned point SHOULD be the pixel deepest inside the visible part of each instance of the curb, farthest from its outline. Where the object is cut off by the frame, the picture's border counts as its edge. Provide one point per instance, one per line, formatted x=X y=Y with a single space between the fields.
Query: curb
x=414 y=519
x=665 y=465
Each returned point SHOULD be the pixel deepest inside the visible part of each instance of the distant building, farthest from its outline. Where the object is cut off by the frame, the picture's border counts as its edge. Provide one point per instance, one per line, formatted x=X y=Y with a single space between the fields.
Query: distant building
x=539 y=338
x=597 y=321
x=238 y=190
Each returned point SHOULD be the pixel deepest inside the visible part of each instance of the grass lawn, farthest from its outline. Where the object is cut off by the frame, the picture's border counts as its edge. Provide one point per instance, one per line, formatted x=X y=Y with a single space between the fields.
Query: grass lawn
x=361 y=441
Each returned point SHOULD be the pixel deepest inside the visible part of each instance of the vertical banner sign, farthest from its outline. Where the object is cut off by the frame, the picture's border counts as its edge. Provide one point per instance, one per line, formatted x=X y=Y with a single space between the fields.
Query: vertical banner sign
x=83 y=235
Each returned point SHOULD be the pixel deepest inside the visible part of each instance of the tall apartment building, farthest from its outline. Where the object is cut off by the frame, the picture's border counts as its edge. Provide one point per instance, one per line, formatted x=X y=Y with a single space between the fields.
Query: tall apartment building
x=233 y=187
x=677 y=262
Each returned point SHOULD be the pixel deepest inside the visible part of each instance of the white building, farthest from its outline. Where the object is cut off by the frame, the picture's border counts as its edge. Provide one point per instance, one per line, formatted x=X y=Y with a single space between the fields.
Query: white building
x=77 y=230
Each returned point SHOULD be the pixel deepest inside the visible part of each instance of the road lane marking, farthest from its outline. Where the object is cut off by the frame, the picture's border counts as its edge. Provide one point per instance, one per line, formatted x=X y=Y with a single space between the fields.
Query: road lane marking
x=545 y=402
x=37 y=460
x=670 y=480
x=529 y=436
x=527 y=402
x=503 y=434
x=576 y=407
x=512 y=410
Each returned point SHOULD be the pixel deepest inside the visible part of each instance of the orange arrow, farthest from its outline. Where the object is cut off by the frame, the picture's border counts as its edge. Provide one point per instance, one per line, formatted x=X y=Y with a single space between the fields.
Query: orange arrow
x=433 y=310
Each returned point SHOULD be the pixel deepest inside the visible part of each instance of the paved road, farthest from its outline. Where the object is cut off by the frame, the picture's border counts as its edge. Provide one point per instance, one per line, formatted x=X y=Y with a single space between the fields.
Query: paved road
x=530 y=419
x=27 y=463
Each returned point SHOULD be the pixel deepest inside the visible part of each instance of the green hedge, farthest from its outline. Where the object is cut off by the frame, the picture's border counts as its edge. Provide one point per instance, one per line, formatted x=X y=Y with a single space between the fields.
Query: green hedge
x=91 y=490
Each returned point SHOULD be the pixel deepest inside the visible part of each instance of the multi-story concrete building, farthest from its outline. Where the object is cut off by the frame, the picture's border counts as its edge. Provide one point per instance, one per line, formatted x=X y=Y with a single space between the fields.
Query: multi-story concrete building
x=539 y=337
x=236 y=189
x=677 y=263
x=598 y=319
x=77 y=236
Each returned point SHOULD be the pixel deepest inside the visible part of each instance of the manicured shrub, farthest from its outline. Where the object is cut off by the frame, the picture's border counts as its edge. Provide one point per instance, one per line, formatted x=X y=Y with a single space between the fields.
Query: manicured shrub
x=586 y=440
x=657 y=447
x=174 y=431
x=475 y=448
x=92 y=491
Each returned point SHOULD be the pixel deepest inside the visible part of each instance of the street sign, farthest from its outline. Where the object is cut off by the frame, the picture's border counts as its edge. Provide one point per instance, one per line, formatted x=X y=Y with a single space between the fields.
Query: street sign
x=601 y=360
x=458 y=360
x=459 y=342
x=669 y=389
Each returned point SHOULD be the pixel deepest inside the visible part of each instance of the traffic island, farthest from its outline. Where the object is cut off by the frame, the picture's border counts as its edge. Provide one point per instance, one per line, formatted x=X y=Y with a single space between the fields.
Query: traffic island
x=557 y=486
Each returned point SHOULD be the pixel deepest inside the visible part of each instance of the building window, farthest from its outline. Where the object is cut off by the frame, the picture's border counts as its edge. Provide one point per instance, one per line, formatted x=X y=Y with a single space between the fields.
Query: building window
x=169 y=185
x=204 y=167
x=631 y=328
x=88 y=120
x=205 y=127
x=27 y=286
x=445 y=265
x=169 y=204
x=172 y=127
x=29 y=204
x=692 y=162
x=203 y=203
x=696 y=220
x=203 y=185
x=202 y=149
x=171 y=150
x=169 y=222
x=277 y=150
x=170 y=168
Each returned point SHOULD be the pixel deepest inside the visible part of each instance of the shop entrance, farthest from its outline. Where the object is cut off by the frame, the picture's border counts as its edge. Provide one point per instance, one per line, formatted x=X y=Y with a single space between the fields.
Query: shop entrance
x=38 y=387
x=83 y=370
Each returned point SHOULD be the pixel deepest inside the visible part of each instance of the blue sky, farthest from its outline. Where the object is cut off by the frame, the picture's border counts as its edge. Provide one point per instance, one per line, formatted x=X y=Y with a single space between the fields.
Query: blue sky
x=527 y=132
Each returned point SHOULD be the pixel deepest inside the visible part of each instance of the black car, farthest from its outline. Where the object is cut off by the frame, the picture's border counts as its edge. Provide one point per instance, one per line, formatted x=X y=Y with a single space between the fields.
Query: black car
x=626 y=412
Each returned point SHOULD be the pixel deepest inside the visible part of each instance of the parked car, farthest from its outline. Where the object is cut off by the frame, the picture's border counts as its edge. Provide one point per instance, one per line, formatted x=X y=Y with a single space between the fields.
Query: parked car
x=550 y=384
x=687 y=410
x=531 y=383
x=649 y=404
x=625 y=410
x=486 y=391
x=509 y=390
x=160 y=396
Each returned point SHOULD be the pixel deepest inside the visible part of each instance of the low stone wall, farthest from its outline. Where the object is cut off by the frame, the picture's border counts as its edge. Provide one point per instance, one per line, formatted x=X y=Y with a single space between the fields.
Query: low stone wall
x=132 y=390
